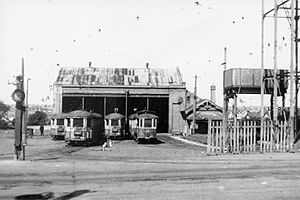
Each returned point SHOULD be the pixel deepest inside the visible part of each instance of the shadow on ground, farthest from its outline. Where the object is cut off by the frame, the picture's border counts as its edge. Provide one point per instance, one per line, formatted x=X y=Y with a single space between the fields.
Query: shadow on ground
x=50 y=195
x=156 y=141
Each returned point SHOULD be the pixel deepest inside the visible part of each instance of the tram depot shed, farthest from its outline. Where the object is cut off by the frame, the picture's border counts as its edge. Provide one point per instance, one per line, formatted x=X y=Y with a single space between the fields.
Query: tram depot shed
x=101 y=90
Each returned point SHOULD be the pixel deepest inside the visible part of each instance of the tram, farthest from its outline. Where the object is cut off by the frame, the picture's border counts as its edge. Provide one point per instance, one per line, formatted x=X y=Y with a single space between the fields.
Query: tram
x=84 y=128
x=142 y=126
x=58 y=124
x=114 y=125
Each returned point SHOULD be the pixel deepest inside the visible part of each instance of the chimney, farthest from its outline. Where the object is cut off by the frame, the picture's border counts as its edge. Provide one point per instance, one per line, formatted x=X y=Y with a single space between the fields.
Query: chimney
x=148 y=70
x=213 y=93
x=90 y=64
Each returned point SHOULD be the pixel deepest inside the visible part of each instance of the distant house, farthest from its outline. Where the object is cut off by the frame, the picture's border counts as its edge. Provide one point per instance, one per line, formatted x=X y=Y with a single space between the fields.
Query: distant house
x=190 y=99
x=205 y=110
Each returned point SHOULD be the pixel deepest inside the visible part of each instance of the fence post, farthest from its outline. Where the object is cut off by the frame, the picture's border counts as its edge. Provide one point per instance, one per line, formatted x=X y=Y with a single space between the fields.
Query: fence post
x=277 y=136
x=209 y=137
x=254 y=136
x=261 y=134
x=244 y=135
x=248 y=136
x=266 y=125
x=220 y=136
x=231 y=139
x=223 y=137
x=281 y=136
x=268 y=136
x=251 y=136
x=285 y=136
x=234 y=136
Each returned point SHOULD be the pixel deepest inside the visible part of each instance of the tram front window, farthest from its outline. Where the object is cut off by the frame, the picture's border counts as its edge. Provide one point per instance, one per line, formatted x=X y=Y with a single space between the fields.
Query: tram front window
x=60 y=122
x=148 y=123
x=78 y=122
x=114 y=122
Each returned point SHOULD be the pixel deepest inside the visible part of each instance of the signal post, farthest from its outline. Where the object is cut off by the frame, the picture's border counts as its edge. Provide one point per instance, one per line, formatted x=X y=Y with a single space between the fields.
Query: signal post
x=20 y=130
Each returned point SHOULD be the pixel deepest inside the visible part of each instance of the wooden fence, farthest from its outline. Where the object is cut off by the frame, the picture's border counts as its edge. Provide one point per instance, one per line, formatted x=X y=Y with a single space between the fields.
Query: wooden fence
x=246 y=137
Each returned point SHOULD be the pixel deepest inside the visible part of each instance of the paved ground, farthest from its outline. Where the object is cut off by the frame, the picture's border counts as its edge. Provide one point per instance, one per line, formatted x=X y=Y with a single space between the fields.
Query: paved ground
x=170 y=169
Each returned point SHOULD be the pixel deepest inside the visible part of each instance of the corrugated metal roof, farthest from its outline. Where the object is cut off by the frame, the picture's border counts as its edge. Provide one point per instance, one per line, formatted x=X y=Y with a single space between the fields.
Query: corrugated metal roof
x=119 y=76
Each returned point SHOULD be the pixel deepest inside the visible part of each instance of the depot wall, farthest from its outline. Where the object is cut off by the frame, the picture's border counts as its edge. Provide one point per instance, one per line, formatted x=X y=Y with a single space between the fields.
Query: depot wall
x=168 y=101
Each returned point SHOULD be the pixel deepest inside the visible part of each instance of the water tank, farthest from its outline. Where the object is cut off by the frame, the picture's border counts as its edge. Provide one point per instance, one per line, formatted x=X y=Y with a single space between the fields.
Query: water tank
x=247 y=81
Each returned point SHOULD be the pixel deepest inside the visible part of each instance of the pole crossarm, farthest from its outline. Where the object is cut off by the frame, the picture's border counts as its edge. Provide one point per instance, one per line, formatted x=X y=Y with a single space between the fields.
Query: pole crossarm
x=278 y=6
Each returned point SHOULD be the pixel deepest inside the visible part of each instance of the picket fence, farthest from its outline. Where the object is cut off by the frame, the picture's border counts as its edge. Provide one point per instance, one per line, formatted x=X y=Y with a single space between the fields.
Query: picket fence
x=246 y=137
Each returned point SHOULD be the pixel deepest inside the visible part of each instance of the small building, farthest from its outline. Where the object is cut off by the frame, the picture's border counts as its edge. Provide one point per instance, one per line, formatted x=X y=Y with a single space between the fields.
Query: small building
x=205 y=110
x=101 y=90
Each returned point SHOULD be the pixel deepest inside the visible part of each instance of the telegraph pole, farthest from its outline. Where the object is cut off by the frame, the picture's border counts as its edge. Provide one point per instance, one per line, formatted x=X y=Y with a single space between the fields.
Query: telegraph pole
x=195 y=105
x=292 y=74
x=262 y=82
x=24 y=124
x=275 y=83
x=24 y=138
x=225 y=101
x=296 y=65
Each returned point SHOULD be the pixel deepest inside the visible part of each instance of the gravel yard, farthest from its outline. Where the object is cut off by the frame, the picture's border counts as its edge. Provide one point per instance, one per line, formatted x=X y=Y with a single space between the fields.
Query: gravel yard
x=168 y=169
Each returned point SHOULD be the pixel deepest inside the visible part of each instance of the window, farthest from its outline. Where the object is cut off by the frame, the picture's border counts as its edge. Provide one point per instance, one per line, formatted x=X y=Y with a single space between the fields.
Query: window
x=68 y=122
x=60 y=122
x=148 y=123
x=89 y=122
x=115 y=122
x=78 y=122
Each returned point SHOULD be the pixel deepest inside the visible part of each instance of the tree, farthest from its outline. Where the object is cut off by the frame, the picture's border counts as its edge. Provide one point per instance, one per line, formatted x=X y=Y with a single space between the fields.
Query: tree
x=3 y=109
x=3 y=115
x=37 y=118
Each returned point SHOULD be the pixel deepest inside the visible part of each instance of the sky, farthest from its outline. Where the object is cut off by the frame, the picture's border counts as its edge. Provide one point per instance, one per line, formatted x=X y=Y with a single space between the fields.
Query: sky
x=191 y=35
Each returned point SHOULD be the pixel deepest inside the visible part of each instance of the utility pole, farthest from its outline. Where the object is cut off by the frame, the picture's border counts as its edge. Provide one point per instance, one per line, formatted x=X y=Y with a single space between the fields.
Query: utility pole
x=195 y=105
x=24 y=117
x=292 y=74
x=275 y=83
x=296 y=65
x=24 y=138
x=262 y=82
x=225 y=101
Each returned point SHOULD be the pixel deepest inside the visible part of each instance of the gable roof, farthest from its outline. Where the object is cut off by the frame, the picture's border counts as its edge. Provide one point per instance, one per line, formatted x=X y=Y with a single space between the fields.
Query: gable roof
x=119 y=76
x=205 y=109
x=205 y=115
x=203 y=104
